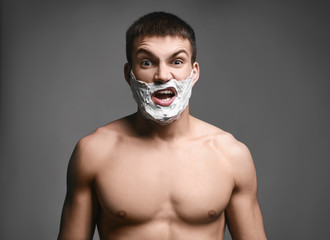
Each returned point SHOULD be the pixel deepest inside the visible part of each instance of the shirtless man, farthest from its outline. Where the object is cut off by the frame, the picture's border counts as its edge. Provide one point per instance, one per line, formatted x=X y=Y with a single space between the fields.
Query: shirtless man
x=161 y=174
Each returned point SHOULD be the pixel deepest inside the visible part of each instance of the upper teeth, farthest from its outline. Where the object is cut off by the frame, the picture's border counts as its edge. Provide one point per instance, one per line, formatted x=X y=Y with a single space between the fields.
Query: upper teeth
x=166 y=91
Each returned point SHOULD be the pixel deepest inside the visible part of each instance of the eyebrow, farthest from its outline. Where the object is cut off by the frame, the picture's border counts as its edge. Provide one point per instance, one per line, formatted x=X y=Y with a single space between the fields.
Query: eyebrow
x=143 y=50
x=178 y=52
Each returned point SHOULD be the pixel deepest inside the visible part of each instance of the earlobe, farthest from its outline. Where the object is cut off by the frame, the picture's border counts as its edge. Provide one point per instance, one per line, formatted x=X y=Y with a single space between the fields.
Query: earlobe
x=127 y=70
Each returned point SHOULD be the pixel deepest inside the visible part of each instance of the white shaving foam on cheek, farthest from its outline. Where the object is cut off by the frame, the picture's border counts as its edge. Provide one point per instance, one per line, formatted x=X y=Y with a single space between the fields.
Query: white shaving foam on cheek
x=142 y=93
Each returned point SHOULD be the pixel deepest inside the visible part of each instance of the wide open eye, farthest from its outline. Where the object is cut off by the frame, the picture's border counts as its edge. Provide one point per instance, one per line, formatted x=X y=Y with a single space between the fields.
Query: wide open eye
x=177 y=62
x=146 y=63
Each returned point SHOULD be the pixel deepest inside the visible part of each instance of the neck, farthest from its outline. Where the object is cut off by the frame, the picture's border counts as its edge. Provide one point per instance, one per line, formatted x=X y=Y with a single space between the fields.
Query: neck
x=177 y=129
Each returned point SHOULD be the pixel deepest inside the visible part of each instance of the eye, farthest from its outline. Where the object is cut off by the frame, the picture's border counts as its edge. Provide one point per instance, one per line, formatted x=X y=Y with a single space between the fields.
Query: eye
x=177 y=62
x=146 y=63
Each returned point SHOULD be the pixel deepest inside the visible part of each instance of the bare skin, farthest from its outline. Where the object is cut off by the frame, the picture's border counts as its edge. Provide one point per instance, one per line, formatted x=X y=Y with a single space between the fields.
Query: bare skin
x=136 y=180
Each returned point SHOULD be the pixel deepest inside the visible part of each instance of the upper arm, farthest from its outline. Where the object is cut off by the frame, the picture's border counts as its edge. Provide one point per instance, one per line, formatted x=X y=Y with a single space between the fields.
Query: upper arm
x=80 y=206
x=243 y=213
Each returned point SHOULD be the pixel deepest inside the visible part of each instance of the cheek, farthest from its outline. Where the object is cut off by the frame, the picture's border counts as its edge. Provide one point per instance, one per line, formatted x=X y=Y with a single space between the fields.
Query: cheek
x=148 y=75
x=183 y=74
x=144 y=75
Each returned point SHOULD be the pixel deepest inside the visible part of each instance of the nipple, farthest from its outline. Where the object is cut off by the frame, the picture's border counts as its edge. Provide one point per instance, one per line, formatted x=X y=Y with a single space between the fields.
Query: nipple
x=121 y=213
x=212 y=214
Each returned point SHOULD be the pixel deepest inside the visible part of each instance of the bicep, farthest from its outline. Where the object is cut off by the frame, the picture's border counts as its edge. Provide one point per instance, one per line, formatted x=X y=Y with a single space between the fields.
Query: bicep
x=78 y=216
x=243 y=213
x=80 y=206
x=244 y=217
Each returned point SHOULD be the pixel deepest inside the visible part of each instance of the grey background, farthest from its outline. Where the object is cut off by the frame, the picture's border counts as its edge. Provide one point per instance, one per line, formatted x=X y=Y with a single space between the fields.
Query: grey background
x=264 y=78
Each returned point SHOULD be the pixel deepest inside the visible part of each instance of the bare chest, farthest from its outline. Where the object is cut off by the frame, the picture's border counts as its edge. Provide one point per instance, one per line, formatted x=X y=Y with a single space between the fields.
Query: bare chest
x=191 y=185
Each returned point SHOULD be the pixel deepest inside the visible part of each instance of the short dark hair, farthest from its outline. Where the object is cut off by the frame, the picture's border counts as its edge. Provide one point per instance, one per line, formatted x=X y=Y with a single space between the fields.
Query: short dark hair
x=159 y=24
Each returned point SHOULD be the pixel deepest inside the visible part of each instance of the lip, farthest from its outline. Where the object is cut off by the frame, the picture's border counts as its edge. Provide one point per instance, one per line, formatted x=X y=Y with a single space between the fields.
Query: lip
x=167 y=101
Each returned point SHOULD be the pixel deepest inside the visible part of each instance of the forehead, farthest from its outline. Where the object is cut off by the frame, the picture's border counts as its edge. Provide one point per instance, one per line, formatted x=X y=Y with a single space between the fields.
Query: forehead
x=161 y=44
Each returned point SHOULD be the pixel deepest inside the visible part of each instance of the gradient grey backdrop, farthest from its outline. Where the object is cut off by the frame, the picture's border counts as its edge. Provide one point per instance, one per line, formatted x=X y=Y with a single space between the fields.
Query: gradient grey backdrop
x=264 y=78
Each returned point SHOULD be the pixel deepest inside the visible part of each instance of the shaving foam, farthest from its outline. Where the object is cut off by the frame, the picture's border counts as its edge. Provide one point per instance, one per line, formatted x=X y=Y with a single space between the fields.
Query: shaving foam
x=142 y=93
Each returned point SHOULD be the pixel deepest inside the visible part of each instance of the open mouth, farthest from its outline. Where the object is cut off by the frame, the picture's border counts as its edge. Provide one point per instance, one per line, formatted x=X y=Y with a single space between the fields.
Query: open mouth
x=164 y=97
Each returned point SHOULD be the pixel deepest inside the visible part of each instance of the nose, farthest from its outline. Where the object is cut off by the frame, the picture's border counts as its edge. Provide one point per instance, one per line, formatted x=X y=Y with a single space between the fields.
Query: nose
x=163 y=74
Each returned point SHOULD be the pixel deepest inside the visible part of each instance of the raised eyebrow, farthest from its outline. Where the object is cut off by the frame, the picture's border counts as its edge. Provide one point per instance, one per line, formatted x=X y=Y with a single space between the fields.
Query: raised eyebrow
x=145 y=51
x=178 y=52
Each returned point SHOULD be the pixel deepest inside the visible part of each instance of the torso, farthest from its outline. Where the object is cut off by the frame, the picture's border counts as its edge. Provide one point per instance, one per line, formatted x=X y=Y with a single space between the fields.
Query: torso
x=149 y=190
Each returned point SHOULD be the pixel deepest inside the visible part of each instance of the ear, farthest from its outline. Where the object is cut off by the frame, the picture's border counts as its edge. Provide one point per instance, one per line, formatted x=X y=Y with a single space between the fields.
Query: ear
x=195 y=72
x=127 y=71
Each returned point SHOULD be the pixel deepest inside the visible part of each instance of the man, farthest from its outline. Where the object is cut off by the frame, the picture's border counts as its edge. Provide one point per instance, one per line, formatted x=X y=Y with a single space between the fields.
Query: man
x=161 y=173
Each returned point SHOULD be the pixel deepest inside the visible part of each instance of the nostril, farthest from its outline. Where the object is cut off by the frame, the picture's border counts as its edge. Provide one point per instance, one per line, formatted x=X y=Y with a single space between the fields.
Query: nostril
x=160 y=81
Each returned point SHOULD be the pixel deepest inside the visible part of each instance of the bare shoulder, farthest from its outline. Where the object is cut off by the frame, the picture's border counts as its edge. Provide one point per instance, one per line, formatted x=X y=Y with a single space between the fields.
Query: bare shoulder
x=235 y=153
x=222 y=140
x=93 y=150
x=239 y=159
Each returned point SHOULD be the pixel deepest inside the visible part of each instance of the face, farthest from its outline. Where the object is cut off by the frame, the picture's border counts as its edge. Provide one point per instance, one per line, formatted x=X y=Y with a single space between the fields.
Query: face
x=160 y=59
x=165 y=74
